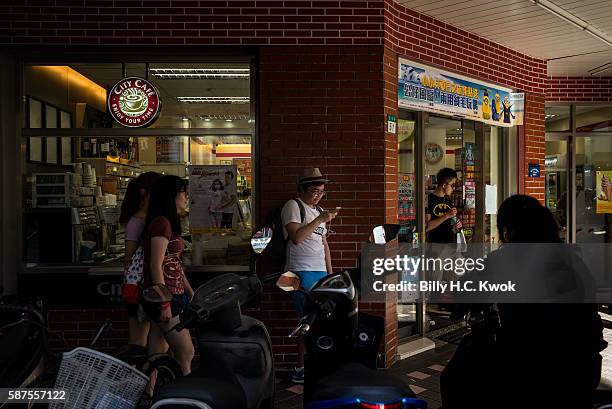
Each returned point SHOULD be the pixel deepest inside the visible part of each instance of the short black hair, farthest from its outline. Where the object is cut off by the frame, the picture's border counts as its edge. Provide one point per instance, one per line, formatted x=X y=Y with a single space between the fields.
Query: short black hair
x=445 y=175
x=525 y=220
x=229 y=172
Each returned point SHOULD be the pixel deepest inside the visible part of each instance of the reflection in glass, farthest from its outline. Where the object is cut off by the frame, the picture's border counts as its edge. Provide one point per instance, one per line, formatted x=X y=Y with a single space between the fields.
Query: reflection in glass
x=556 y=183
x=557 y=118
x=593 y=189
x=594 y=118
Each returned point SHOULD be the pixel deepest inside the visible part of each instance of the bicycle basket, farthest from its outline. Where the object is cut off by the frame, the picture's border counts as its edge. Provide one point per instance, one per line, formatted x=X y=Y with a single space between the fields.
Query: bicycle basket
x=96 y=380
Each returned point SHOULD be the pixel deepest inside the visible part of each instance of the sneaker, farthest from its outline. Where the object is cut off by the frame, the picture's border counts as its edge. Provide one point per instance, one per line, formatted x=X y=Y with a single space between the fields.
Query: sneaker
x=298 y=375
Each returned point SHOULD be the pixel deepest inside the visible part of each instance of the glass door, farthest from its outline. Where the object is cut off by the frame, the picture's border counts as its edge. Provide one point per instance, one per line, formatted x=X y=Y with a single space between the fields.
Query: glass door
x=446 y=142
x=408 y=311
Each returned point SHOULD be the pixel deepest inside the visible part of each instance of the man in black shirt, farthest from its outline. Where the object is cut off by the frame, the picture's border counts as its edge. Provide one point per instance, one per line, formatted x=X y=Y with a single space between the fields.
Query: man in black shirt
x=438 y=225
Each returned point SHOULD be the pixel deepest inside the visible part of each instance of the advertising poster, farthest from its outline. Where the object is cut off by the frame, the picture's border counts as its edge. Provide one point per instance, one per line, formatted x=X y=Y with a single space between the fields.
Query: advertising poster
x=435 y=90
x=212 y=198
x=406 y=209
x=603 y=188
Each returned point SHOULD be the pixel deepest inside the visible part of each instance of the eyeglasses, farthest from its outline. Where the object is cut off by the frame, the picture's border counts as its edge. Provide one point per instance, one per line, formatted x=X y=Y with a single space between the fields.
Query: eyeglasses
x=317 y=193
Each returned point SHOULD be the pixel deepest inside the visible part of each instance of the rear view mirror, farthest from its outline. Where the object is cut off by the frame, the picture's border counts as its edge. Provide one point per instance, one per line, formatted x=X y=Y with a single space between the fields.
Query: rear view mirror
x=378 y=235
x=288 y=282
x=157 y=293
x=385 y=233
x=261 y=239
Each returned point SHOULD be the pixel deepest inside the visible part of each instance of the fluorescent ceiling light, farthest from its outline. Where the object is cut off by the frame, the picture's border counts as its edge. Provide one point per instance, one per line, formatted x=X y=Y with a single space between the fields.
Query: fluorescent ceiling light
x=200 y=73
x=601 y=68
x=228 y=120
x=213 y=117
x=572 y=19
x=214 y=100
x=185 y=119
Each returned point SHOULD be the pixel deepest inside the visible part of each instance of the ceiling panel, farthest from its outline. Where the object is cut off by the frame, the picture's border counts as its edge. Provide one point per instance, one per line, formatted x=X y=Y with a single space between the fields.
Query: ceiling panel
x=532 y=30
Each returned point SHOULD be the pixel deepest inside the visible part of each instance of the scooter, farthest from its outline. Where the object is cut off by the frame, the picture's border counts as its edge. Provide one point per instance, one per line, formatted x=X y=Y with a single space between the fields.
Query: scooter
x=236 y=370
x=23 y=342
x=342 y=348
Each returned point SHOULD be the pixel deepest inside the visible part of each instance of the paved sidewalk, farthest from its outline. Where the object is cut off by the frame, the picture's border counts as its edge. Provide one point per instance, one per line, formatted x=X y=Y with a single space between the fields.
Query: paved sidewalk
x=423 y=373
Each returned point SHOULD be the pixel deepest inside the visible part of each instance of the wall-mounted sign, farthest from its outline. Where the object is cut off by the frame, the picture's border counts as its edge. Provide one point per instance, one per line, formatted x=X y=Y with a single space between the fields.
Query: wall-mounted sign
x=134 y=102
x=603 y=180
x=391 y=124
x=534 y=170
x=430 y=89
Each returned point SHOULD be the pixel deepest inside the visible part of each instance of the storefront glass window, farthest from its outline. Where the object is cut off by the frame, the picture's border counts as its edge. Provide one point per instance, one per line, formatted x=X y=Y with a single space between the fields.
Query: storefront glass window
x=594 y=118
x=557 y=118
x=76 y=184
x=593 y=189
x=556 y=182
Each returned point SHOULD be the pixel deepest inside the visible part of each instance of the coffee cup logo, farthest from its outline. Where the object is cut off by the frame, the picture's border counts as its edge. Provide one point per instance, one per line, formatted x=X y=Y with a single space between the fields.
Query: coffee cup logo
x=134 y=102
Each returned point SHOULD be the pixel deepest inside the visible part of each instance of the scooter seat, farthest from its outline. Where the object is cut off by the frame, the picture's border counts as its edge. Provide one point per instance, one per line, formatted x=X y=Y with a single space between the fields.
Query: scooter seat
x=217 y=393
x=354 y=381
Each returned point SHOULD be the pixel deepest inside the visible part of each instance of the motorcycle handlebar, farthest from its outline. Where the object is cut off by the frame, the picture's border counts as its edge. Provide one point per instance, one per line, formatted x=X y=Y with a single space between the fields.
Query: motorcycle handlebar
x=304 y=325
x=24 y=309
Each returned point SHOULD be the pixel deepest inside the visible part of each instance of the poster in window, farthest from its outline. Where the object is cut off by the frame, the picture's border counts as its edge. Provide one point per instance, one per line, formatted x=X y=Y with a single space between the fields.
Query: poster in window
x=35 y=121
x=405 y=190
x=604 y=191
x=212 y=198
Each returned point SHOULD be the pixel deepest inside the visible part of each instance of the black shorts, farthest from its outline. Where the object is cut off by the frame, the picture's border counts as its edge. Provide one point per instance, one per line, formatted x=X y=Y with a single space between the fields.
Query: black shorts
x=153 y=310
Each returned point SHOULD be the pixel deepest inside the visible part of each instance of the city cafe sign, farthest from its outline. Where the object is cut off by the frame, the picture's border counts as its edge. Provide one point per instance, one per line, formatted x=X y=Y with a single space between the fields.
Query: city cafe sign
x=134 y=102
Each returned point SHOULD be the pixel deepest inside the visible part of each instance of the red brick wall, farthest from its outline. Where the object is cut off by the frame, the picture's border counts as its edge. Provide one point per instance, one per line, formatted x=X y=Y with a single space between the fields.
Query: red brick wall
x=534 y=149
x=421 y=38
x=390 y=62
x=193 y=22
x=579 y=89
x=322 y=106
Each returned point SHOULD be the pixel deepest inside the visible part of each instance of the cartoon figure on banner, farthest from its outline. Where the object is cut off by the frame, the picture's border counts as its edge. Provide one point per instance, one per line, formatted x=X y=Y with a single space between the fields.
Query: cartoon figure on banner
x=507 y=112
x=409 y=74
x=496 y=107
x=486 y=105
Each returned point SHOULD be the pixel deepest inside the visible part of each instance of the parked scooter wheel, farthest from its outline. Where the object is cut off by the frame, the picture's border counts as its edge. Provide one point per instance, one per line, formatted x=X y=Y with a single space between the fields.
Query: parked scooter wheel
x=167 y=369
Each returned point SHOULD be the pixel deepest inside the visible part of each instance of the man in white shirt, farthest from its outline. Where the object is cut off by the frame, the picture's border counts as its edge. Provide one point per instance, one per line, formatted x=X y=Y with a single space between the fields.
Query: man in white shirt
x=307 y=253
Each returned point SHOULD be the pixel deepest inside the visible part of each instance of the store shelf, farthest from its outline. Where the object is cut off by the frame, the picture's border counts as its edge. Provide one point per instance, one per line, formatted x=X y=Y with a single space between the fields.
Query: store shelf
x=137 y=166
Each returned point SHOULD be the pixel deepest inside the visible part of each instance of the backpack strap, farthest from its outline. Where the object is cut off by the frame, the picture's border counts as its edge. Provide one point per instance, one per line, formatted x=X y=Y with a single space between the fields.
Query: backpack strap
x=302 y=210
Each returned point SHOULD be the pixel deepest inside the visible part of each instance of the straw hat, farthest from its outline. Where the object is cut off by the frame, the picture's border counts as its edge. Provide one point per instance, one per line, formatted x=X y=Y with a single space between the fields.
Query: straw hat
x=310 y=175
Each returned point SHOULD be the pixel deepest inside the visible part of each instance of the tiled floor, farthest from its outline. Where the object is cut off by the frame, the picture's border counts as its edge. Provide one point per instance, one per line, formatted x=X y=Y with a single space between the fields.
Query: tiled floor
x=423 y=373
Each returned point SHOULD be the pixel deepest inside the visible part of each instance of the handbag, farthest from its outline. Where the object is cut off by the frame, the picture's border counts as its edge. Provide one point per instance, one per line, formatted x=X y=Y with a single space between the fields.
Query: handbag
x=133 y=275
